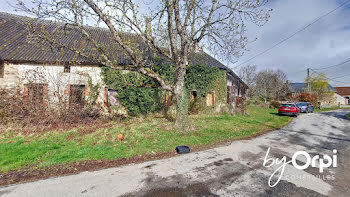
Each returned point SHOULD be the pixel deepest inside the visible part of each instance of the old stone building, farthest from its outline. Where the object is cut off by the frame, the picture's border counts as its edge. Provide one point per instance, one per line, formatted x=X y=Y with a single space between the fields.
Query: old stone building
x=51 y=75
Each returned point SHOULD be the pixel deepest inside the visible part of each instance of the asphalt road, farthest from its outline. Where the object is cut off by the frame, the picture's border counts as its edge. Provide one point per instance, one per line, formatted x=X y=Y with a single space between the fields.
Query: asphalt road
x=233 y=170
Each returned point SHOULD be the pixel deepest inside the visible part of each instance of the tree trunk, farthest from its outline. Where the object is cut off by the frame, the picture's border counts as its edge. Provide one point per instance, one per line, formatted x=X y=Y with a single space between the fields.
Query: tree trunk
x=181 y=121
x=181 y=96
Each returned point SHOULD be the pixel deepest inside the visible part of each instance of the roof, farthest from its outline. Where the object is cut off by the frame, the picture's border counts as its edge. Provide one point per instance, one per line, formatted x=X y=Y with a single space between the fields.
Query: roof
x=302 y=87
x=16 y=45
x=343 y=91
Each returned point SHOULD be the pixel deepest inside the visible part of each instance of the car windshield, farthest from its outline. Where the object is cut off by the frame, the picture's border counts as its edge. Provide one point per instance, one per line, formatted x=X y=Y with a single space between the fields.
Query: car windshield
x=287 y=105
x=301 y=104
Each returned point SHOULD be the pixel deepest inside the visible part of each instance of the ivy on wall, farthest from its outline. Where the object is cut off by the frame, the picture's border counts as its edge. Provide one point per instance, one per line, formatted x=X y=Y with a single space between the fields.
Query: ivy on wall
x=138 y=93
x=201 y=78
x=141 y=94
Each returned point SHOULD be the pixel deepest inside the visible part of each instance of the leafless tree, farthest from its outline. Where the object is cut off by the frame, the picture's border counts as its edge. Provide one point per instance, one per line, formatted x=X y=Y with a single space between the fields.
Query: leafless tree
x=248 y=74
x=271 y=84
x=174 y=30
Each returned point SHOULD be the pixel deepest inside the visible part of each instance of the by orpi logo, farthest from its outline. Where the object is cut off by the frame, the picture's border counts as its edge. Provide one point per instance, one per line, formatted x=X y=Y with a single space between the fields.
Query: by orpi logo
x=324 y=162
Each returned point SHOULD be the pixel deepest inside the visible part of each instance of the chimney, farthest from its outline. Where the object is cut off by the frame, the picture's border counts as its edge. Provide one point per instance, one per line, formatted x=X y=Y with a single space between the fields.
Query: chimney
x=148 y=27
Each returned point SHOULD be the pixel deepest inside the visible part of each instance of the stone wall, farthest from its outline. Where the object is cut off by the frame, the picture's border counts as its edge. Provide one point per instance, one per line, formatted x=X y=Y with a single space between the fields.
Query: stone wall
x=11 y=76
x=55 y=77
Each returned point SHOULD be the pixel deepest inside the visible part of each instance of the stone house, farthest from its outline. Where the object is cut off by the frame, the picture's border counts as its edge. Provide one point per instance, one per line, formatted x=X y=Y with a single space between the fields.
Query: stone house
x=51 y=75
x=345 y=93
x=334 y=100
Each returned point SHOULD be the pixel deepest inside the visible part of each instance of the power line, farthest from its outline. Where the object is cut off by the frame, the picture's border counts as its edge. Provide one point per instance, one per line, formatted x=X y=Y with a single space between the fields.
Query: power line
x=331 y=79
x=340 y=76
x=332 y=66
x=292 y=35
x=339 y=64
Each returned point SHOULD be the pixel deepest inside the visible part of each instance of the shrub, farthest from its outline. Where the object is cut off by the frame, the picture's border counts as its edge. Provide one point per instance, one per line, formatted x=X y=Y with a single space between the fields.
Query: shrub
x=194 y=106
x=253 y=101
x=275 y=104
x=23 y=112
x=306 y=97
x=241 y=105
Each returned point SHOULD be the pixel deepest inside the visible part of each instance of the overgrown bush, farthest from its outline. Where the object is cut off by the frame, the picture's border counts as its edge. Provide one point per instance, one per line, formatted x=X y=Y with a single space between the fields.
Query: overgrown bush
x=24 y=112
x=306 y=97
x=253 y=101
x=194 y=106
x=241 y=105
x=275 y=104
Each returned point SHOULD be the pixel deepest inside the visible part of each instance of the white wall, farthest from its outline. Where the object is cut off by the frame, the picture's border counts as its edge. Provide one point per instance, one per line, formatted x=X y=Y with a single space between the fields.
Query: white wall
x=341 y=100
x=54 y=76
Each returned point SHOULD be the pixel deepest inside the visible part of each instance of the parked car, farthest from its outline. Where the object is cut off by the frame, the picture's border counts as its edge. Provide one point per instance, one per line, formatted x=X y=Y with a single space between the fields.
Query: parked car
x=310 y=107
x=305 y=107
x=289 y=109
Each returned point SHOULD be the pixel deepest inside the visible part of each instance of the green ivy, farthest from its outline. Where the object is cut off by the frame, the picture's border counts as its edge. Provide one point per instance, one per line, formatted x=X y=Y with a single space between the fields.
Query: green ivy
x=141 y=94
x=201 y=78
x=94 y=92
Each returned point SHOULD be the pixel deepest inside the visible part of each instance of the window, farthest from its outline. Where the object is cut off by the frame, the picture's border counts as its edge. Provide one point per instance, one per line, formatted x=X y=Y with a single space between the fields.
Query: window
x=2 y=69
x=211 y=99
x=36 y=93
x=112 y=98
x=288 y=105
x=76 y=96
x=193 y=95
x=66 y=69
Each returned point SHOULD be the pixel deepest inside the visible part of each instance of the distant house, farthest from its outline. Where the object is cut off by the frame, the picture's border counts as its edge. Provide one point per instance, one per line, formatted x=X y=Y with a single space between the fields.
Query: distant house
x=302 y=87
x=46 y=74
x=344 y=92
x=298 y=88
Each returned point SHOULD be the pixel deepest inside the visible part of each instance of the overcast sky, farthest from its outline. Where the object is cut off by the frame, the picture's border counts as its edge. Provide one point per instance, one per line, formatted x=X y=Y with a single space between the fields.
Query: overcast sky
x=323 y=44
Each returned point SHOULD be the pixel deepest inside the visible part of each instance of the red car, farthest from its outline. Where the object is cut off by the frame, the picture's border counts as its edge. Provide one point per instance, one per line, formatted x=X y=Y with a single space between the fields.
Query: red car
x=289 y=109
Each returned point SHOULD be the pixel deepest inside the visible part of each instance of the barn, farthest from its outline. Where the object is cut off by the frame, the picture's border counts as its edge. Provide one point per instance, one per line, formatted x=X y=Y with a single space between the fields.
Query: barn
x=49 y=75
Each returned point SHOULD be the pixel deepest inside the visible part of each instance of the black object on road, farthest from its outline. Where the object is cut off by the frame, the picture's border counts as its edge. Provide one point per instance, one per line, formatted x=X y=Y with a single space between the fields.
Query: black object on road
x=182 y=149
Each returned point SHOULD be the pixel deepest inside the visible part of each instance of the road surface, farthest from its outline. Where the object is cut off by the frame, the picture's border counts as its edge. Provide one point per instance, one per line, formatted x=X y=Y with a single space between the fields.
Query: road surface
x=232 y=170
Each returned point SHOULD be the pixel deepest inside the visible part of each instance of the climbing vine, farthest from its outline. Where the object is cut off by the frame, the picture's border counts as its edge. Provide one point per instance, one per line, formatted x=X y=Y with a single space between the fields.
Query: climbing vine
x=94 y=92
x=141 y=94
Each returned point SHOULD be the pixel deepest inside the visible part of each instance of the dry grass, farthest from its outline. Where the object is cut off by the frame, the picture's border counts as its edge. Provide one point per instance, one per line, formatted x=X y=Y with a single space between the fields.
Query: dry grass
x=143 y=135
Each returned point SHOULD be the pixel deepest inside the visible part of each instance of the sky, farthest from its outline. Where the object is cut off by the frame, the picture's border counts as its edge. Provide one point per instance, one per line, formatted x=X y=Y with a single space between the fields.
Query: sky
x=323 y=44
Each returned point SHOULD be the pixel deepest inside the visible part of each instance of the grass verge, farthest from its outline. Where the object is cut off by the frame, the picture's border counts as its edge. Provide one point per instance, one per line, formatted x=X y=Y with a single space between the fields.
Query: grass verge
x=142 y=136
x=326 y=109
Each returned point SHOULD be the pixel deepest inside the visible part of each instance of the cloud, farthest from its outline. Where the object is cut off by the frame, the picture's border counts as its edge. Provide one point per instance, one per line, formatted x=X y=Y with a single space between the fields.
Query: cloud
x=323 y=44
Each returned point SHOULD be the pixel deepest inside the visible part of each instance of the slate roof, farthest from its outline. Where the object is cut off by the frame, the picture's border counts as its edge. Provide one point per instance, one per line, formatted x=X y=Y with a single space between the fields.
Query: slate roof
x=343 y=91
x=16 y=46
x=302 y=87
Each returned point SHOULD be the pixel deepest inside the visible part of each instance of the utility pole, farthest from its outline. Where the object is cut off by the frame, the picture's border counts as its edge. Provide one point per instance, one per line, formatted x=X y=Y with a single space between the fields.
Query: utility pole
x=308 y=80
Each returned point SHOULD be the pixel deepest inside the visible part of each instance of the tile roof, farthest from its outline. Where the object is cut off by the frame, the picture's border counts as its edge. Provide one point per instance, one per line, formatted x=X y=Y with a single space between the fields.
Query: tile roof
x=343 y=91
x=16 y=45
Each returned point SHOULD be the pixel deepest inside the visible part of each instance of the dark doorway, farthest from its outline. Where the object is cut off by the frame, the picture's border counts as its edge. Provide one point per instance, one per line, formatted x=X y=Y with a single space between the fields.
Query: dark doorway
x=36 y=93
x=76 y=96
